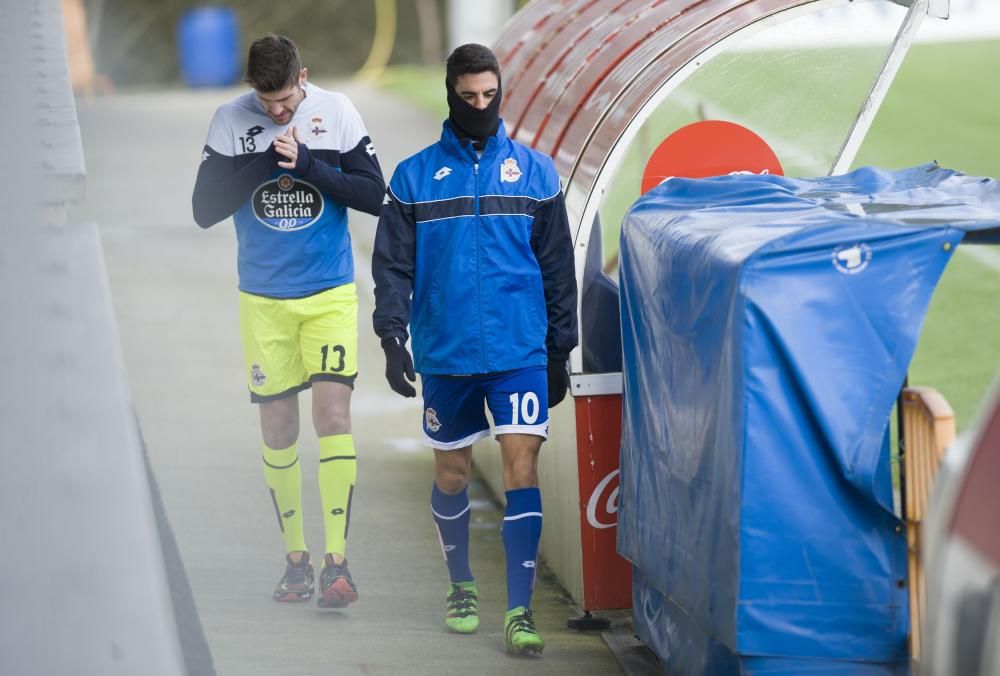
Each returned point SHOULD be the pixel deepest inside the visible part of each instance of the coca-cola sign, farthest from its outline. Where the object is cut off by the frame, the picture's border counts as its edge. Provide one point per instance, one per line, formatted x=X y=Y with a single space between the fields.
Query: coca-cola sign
x=602 y=507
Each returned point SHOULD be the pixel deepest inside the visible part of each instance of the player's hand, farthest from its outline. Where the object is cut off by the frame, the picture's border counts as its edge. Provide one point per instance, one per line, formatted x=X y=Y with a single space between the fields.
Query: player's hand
x=558 y=376
x=399 y=367
x=287 y=145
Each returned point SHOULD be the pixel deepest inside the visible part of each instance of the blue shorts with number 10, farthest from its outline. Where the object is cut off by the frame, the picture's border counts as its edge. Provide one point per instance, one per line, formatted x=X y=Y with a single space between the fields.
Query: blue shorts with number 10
x=454 y=415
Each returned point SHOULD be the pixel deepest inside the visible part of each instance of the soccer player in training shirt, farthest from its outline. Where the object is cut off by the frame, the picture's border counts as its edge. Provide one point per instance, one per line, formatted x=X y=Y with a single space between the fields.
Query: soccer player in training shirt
x=286 y=161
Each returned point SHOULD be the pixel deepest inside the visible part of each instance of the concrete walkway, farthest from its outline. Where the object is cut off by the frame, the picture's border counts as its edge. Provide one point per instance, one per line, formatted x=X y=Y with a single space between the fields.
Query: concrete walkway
x=174 y=290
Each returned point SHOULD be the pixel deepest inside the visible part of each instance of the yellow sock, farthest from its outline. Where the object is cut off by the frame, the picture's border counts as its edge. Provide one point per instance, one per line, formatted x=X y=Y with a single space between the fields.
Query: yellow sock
x=283 y=475
x=338 y=471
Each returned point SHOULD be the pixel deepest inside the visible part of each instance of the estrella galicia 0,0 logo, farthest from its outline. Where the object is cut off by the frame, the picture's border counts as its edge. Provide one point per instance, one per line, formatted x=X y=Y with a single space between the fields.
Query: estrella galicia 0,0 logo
x=287 y=203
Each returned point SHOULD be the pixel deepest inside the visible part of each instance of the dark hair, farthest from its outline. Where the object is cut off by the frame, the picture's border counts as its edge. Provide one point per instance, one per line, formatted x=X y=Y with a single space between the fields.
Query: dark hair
x=471 y=58
x=273 y=63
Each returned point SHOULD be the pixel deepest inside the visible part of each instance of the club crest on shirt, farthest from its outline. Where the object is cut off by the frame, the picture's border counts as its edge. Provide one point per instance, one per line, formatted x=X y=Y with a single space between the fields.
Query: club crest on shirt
x=316 y=126
x=431 y=420
x=257 y=376
x=509 y=171
x=287 y=203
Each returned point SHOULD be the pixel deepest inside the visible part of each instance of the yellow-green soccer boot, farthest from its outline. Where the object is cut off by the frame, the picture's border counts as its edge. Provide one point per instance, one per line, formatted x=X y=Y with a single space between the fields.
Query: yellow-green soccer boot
x=520 y=634
x=462 y=608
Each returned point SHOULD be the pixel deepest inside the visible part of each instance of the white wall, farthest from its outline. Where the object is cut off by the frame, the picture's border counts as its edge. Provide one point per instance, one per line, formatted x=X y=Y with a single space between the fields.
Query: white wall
x=476 y=20
x=559 y=479
x=969 y=20
x=876 y=22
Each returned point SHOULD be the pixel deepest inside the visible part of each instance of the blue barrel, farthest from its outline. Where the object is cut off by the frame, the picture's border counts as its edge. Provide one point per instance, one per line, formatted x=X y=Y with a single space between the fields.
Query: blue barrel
x=208 y=40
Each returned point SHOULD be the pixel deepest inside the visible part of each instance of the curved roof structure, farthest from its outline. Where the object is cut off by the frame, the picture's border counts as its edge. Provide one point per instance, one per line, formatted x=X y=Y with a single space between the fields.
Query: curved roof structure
x=597 y=84
x=582 y=69
x=578 y=72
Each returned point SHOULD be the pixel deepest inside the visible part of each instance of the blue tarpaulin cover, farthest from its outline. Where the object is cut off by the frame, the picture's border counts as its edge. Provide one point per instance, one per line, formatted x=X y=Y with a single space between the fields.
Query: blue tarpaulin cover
x=767 y=325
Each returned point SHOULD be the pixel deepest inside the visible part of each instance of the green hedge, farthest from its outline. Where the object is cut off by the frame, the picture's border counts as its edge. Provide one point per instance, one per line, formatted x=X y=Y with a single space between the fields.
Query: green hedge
x=137 y=39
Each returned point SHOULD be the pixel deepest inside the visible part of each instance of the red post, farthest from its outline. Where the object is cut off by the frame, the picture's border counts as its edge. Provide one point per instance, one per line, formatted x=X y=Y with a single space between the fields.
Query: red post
x=607 y=577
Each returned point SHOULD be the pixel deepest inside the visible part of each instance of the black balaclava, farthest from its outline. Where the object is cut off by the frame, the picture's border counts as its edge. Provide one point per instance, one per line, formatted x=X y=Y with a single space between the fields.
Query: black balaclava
x=469 y=122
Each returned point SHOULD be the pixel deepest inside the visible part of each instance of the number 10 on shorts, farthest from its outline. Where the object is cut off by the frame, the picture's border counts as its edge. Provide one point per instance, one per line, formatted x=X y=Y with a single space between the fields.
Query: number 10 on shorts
x=526 y=406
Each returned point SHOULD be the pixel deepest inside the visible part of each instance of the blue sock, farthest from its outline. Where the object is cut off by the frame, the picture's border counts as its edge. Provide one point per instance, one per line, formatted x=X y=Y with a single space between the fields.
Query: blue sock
x=522 y=529
x=451 y=515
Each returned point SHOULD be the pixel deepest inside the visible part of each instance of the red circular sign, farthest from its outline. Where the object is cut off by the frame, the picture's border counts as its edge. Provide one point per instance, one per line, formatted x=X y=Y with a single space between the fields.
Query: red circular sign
x=709 y=148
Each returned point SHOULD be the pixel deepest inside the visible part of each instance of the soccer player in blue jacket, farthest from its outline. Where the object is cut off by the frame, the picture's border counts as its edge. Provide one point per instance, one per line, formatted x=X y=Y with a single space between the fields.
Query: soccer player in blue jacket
x=473 y=254
x=286 y=161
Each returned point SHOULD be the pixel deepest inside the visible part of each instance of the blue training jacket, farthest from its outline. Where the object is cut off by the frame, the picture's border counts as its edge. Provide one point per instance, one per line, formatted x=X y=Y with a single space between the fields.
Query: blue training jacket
x=483 y=246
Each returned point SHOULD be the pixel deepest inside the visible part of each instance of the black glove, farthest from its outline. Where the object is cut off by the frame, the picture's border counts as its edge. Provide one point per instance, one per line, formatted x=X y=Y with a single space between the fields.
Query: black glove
x=558 y=381
x=398 y=363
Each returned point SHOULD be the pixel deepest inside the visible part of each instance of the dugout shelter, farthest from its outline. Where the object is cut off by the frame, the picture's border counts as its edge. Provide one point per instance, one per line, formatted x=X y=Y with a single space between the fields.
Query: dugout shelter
x=601 y=85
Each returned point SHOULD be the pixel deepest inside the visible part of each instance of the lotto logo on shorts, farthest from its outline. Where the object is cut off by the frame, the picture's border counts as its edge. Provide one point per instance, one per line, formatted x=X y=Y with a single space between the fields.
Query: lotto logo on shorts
x=257 y=376
x=287 y=203
x=431 y=420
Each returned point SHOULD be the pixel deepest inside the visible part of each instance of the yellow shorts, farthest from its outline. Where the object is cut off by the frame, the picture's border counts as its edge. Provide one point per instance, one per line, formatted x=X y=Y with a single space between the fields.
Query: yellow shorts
x=289 y=343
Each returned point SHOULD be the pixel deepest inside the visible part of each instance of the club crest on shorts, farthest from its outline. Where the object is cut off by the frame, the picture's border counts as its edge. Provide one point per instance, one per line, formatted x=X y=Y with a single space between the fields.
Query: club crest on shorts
x=509 y=171
x=257 y=376
x=431 y=420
